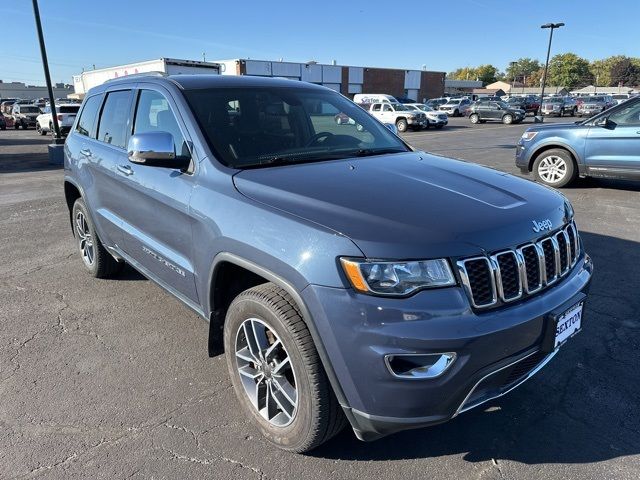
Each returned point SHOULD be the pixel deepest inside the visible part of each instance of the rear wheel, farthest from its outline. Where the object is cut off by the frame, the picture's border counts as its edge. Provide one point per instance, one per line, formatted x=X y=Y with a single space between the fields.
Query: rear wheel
x=276 y=372
x=94 y=256
x=401 y=125
x=39 y=129
x=555 y=168
x=475 y=118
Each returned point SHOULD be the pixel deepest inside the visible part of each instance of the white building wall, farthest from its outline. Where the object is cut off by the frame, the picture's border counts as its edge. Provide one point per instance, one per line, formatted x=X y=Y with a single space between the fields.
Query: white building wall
x=311 y=73
x=285 y=69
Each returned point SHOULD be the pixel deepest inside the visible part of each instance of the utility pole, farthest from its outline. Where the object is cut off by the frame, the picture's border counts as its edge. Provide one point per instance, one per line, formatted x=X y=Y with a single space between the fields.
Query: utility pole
x=45 y=64
x=551 y=26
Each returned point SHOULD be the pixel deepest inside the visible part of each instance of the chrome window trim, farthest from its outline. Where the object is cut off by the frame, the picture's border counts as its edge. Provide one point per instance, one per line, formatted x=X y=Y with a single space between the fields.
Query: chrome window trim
x=464 y=277
x=498 y=275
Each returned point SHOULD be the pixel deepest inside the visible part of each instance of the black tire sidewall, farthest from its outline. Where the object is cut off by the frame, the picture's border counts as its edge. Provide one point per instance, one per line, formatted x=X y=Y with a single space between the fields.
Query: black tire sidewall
x=299 y=430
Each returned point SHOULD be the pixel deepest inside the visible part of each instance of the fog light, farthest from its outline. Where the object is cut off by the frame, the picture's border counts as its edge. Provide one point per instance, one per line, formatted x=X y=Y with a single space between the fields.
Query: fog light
x=419 y=366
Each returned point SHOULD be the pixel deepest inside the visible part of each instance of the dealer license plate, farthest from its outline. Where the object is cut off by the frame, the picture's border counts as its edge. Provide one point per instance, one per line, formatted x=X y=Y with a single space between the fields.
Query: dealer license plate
x=569 y=323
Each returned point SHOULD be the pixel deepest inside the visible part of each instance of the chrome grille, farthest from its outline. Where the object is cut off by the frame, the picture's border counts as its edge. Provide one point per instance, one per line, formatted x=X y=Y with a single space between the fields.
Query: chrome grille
x=509 y=275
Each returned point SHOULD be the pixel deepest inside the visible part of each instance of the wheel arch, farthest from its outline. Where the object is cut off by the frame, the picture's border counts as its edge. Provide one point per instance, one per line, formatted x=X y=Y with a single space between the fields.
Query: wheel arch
x=72 y=191
x=216 y=312
x=551 y=146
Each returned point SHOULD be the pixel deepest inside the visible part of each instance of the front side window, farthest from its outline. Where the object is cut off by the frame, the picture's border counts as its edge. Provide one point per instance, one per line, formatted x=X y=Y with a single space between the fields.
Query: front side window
x=387 y=108
x=376 y=107
x=629 y=115
x=112 y=128
x=88 y=116
x=154 y=114
x=267 y=126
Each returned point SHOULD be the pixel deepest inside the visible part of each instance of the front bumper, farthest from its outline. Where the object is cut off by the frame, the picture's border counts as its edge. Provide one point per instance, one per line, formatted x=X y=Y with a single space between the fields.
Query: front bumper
x=359 y=330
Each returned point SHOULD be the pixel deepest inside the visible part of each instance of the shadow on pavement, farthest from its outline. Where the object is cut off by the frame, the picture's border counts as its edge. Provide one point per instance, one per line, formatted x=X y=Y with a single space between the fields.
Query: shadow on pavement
x=581 y=408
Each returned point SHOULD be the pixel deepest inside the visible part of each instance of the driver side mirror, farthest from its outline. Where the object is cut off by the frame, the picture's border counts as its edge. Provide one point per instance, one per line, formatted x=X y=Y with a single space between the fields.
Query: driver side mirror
x=392 y=127
x=604 y=122
x=155 y=149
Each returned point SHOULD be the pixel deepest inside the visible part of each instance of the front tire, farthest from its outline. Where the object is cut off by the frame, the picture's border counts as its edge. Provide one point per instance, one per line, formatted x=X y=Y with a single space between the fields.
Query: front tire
x=401 y=125
x=276 y=371
x=507 y=119
x=555 y=168
x=96 y=259
x=40 y=130
x=475 y=118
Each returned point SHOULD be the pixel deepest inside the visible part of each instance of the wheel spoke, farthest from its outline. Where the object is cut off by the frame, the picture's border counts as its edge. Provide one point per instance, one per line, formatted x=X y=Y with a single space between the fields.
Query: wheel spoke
x=246 y=355
x=278 y=397
x=251 y=373
x=260 y=336
x=270 y=350
x=251 y=340
x=288 y=392
x=278 y=368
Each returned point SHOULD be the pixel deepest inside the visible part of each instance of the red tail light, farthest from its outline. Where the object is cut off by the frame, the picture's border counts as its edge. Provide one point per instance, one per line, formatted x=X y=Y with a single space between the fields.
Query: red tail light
x=59 y=118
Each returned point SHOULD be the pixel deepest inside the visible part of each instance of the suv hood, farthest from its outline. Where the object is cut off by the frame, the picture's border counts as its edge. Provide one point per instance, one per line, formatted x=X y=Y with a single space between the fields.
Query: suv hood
x=410 y=205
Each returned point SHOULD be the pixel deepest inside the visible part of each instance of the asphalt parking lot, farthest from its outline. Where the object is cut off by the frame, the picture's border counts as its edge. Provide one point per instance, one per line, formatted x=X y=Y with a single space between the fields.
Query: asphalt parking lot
x=111 y=379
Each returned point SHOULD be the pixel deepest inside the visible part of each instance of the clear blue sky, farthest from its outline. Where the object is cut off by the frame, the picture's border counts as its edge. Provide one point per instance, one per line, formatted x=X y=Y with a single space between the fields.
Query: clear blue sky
x=443 y=35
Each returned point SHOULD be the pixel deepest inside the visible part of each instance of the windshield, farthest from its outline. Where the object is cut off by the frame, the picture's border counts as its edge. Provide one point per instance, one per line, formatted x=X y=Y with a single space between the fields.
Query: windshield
x=596 y=99
x=262 y=126
x=425 y=108
x=515 y=100
x=29 y=109
x=503 y=104
x=399 y=107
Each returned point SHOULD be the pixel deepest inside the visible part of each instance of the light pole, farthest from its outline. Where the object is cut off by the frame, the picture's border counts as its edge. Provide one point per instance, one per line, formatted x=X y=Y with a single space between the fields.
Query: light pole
x=550 y=26
x=513 y=76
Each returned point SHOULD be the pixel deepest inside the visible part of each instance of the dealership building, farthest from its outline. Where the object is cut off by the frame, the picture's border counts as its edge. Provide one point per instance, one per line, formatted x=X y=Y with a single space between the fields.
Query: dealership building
x=348 y=80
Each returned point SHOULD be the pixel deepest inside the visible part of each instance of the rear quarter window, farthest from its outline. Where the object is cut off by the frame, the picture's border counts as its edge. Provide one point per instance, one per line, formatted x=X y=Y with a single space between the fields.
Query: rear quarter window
x=87 y=120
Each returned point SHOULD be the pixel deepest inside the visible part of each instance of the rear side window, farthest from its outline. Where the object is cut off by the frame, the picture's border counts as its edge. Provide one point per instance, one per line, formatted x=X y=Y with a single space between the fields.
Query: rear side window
x=87 y=118
x=114 y=118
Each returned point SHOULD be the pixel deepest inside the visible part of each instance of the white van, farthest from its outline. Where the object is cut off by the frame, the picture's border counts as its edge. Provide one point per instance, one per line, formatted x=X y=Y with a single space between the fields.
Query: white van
x=366 y=98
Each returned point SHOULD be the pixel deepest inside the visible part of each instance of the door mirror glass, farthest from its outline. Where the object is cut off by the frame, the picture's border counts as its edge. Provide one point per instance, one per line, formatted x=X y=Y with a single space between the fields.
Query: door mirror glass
x=155 y=149
x=392 y=127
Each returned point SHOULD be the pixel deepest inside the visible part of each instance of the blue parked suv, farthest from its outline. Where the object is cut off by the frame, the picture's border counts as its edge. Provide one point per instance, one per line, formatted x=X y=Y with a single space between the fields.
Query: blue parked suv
x=348 y=277
x=605 y=145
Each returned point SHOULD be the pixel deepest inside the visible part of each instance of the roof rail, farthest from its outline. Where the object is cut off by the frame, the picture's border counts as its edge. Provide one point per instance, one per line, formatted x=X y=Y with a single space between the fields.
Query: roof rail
x=136 y=75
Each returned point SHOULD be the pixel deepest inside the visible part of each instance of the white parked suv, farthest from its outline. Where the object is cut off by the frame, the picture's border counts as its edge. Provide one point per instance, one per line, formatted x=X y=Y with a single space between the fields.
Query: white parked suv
x=434 y=117
x=456 y=106
x=66 y=114
x=400 y=115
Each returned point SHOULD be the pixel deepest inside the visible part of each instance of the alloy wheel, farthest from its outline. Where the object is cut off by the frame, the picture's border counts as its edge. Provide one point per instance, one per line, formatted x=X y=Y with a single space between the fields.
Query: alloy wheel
x=85 y=239
x=266 y=372
x=552 y=169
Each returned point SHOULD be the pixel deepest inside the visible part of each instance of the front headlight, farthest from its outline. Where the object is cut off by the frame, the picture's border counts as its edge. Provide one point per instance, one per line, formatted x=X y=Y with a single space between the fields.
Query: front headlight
x=526 y=136
x=397 y=278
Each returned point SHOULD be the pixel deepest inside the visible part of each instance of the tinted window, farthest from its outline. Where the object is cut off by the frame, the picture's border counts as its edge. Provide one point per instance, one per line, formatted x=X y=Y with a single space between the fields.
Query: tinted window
x=88 y=117
x=376 y=107
x=154 y=114
x=629 y=115
x=114 y=118
x=68 y=109
x=273 y=125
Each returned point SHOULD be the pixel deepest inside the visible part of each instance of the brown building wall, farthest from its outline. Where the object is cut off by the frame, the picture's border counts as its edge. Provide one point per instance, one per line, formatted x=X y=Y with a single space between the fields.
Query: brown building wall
x=431 y=85
x=382 y=80
x=344 y=86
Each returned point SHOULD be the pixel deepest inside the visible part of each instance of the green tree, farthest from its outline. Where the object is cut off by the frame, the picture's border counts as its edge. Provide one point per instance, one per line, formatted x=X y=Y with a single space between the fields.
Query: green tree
x=535 y=78
x=625 y=72
x=487 y=73
x=464 y=73
x=569 y=70
x=521 y=69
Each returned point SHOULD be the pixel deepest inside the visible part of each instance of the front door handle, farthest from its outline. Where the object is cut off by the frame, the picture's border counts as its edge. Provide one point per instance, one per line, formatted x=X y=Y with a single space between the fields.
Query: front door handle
x=126 y=169
x=86 y=152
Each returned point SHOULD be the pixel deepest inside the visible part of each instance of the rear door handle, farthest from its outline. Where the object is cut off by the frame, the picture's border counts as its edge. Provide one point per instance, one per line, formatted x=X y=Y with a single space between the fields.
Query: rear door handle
x=126 y=169
x=86 y=152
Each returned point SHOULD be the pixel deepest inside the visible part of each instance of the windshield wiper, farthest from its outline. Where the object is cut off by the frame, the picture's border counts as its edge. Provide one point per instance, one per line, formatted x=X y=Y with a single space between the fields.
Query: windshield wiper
x=369 y=152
